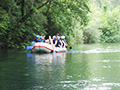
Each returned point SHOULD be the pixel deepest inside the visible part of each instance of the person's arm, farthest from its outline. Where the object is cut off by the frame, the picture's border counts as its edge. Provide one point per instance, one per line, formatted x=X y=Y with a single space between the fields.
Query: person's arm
x=61 y=43
x=65 y=43
x=51 y=41
x=47 y=41
x=55 y=42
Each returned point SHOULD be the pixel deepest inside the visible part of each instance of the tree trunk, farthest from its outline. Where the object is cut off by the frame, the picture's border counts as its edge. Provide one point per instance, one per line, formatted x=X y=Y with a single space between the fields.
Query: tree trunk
x=45 y=25
x=22 y=7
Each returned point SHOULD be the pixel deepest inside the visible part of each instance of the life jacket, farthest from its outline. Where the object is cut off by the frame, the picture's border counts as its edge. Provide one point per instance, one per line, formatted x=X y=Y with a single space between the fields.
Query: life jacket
x=54 y=41
x=42 y=41
x=35 y=39
x=58 y=43
x=38 y=40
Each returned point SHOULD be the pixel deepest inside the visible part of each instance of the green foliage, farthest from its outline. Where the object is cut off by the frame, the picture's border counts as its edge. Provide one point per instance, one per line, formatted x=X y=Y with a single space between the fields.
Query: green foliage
x=111 y=26
x=77 y=31
x=81 y=21
x=69 y=19
x=104 y=22
x=16 y=37
x=4 y=21
x=92 y=32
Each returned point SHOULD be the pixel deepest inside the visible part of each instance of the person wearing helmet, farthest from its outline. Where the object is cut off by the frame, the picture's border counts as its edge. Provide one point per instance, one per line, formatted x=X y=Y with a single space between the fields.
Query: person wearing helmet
x=54 y=39
x=63 y=41
x=37 y=38
x=42 y=39
x=58 y=42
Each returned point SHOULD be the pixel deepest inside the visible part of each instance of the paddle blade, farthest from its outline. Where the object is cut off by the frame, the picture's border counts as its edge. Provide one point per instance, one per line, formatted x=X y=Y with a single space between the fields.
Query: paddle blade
x=29 y=47
x=73 y=50
x=54 y=51
x=69 y=47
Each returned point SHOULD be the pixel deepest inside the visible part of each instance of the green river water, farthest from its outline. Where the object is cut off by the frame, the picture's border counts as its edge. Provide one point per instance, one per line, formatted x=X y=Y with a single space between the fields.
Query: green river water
x=91 y=67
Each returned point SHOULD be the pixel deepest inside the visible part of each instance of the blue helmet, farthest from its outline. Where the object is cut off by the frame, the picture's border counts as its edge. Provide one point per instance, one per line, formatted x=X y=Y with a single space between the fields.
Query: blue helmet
x=54 y=37
x=37 y=36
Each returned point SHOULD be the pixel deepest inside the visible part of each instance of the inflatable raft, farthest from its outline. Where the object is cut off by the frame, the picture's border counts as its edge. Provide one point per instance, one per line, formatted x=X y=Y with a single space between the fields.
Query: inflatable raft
x=47 y=48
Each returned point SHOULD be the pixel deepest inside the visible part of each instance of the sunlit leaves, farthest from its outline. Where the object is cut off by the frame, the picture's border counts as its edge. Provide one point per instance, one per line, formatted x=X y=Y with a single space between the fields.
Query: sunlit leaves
x=109 y=19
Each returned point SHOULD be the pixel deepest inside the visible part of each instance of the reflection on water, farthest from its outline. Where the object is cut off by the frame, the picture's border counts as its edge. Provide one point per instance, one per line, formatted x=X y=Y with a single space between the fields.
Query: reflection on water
x=91 y=67
x=49 y=58
x=53 y=72
x=48 y=69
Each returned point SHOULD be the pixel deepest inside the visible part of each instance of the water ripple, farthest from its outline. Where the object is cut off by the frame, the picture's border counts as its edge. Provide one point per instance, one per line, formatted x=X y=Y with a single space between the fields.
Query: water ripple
x=97 y=50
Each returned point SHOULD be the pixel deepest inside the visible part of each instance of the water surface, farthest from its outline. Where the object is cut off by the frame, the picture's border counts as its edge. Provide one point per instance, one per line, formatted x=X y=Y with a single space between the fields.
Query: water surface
x=91 y=67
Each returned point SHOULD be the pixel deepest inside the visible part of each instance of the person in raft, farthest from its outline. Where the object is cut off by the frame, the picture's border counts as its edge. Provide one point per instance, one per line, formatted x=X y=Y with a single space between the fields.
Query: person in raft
x=57 y=42
x=42 y=39
x=37 y=38
x=57 y=35
x=54 y=40
x=64 y=43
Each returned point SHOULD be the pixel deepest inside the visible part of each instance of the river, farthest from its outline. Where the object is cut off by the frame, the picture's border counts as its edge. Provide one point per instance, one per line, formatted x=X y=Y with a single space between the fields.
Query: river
x=90 y=67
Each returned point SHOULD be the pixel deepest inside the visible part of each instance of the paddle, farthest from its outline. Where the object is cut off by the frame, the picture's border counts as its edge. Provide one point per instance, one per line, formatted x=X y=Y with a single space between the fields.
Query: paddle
x=29 y=47
x=72 y=50
x=70 y=47
x=54 y=51
x=51 y=41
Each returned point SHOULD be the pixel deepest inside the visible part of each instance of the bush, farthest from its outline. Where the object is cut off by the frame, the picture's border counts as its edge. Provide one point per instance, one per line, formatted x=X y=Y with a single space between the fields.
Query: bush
x=92 y=31
x=111 y=26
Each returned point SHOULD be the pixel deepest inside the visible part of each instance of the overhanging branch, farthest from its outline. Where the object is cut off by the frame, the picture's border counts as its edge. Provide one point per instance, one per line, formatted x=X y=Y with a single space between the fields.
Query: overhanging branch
x=24 y=18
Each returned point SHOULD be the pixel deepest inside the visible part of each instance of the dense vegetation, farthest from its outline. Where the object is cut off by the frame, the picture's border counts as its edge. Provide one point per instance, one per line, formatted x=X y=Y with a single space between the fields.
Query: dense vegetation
x=104 y=22
x=81 y=21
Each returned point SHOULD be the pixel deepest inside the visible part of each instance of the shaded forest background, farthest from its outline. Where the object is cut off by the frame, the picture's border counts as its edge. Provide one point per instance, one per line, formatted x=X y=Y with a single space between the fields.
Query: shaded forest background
x=81 y=21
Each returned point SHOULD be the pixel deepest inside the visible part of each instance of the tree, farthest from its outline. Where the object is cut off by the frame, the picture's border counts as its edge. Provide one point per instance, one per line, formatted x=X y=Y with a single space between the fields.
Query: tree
x=27 y=18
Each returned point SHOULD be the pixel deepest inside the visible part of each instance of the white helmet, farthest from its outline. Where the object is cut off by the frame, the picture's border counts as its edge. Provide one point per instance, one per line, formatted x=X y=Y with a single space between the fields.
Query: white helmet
x=62 y=37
